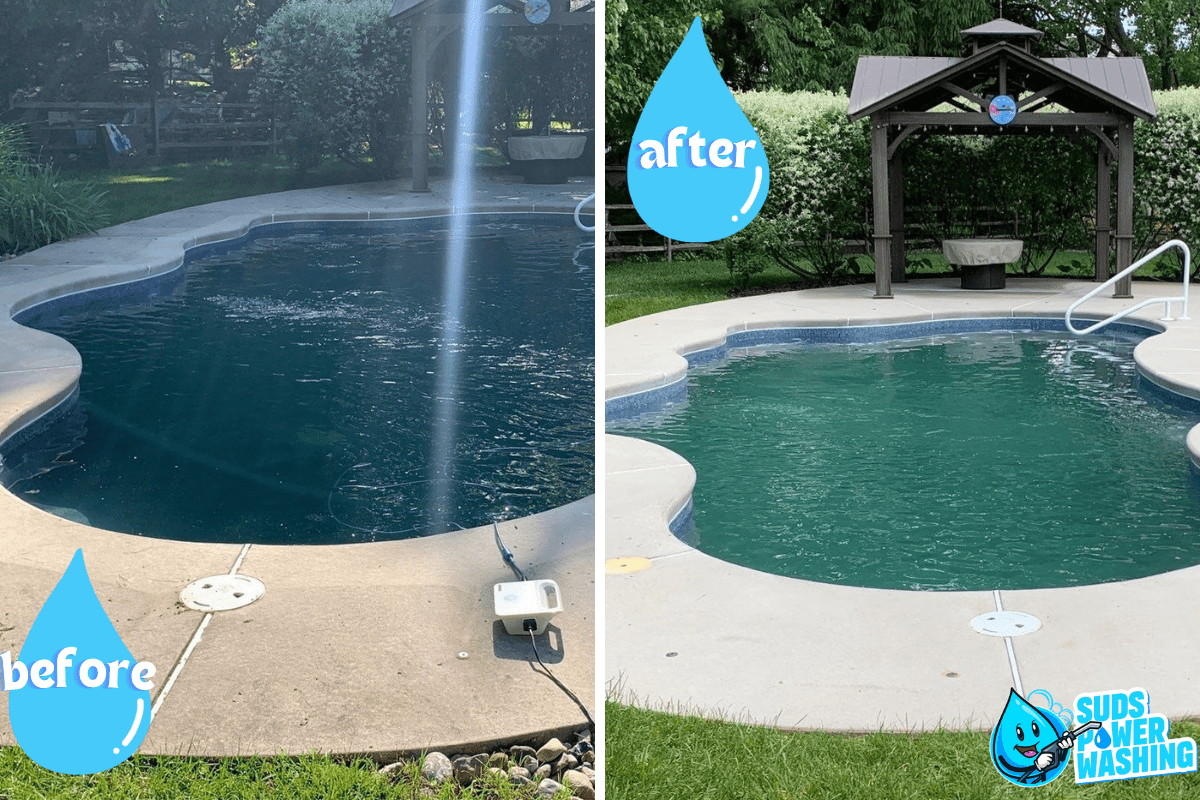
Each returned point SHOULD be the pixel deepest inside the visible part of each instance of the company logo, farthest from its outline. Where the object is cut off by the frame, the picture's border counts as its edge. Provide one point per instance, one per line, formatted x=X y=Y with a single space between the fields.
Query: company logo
x=1129 y=742
x=1116 y=738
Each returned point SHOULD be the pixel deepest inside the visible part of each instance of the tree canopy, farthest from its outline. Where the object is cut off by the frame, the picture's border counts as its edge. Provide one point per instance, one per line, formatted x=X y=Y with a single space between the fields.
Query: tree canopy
x=813 y=45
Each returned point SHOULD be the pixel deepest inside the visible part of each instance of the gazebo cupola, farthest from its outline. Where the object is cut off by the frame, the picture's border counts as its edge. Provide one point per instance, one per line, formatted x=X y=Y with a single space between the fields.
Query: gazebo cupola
x=1000 y=89
x=1000 y=30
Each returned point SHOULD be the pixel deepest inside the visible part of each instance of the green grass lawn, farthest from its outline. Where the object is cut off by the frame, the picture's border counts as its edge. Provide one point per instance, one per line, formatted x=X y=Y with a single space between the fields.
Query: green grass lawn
x=635 y=288
x=650 y=754
x=152 y=190
x=135 y=194
x=313 y=776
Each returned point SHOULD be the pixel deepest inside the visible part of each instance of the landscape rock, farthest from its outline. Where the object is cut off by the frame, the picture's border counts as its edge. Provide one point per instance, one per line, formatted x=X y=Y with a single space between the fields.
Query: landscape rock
x=498 y=760
x=519 y=753
x=388 y=769
x=580 y=785
x=548 y=788
x=468 y=769
x=542 y=772
x=530 y=763
x=551 y=751
x=565 y=763
x=437 y=768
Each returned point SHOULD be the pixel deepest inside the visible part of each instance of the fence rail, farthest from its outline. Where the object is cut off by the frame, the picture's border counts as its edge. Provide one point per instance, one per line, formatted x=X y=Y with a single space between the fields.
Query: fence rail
x=153 y=127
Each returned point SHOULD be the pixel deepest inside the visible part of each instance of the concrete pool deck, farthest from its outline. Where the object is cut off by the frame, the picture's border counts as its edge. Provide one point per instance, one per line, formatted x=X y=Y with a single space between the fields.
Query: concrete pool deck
x=353 y=648
x=684 y=630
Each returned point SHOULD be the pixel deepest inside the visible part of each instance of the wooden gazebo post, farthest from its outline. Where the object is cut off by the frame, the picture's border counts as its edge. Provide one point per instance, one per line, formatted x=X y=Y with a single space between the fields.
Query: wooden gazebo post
x=882 y=197
x=1103 y=210
x=1124 y=204
x=420 y=109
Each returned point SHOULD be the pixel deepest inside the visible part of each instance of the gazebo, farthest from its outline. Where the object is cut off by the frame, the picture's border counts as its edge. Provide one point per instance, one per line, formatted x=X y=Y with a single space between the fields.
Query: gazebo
x=1000 y=89
x=432 y=21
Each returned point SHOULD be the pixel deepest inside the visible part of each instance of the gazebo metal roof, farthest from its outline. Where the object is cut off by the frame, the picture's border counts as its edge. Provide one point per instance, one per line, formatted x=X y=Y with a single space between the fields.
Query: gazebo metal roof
x=881 y=81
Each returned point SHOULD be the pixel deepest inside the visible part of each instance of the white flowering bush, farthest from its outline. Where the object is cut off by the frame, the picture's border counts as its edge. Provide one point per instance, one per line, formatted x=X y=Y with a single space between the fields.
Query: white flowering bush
x=338 y=76
x=1167 y=175
x=820 y=187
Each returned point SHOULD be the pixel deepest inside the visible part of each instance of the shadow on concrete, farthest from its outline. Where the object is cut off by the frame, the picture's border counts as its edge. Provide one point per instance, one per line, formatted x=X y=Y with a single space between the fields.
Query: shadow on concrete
x=518 y=648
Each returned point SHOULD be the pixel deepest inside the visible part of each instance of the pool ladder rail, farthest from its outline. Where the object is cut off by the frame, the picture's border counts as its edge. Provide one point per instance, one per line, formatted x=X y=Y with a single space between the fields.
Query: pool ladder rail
x=579 y=208
x=1182 y=298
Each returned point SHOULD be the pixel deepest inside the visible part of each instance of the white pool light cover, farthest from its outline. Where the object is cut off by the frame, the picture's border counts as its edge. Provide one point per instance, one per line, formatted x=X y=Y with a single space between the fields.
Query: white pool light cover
x=222 y=592
x=1006 y=623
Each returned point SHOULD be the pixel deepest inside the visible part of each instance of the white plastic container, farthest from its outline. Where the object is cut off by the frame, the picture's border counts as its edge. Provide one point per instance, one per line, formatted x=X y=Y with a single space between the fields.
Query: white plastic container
x=522 y=600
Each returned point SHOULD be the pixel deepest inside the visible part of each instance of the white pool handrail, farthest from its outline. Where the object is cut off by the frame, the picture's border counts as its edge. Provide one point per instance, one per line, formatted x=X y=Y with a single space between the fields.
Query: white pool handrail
x=1183 y=298
x=579 y=208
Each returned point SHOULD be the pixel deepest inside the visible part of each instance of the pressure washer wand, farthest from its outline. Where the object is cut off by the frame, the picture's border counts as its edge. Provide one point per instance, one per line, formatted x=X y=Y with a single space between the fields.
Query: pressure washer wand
x=1058 y=754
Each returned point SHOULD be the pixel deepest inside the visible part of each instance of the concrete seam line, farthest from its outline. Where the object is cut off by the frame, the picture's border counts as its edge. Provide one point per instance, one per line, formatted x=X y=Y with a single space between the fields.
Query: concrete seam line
x=1012 y=662
x=1008 y=645
x=241 y=556
x=196 y=637
x=158 y=701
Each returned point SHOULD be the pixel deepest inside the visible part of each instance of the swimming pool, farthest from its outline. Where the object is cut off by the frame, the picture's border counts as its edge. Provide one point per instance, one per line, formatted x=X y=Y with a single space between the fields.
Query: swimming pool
x=976 y=461
x=283 y=391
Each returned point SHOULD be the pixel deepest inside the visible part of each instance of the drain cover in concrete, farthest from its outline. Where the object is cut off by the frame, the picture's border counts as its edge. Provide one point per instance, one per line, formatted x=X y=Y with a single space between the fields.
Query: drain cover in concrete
x=222 y=592
x=1006 y=623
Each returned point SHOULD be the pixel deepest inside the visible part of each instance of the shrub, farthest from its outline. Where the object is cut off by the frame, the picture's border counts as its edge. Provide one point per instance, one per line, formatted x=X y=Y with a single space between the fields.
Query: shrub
x=1167 y=174
x=820 y=186
x=338 y=75
x=37 y=205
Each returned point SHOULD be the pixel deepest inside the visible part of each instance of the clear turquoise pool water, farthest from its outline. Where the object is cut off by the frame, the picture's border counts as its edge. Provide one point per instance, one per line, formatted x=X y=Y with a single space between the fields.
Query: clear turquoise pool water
x=285 y=392
x=973 y=461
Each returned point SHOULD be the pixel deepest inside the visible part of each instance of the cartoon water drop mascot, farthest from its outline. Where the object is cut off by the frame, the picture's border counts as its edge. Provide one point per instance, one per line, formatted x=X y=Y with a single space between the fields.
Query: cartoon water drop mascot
x=1030 y=746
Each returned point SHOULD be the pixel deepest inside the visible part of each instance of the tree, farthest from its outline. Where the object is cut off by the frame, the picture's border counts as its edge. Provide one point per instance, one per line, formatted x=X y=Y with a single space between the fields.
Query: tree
x=338 y=75
x=639 y=41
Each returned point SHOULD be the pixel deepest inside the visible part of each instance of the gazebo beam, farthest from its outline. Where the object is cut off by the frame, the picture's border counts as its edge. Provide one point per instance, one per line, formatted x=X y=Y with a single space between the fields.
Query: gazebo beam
x=900 y=137
x=961 y=92
x=519 y=21
x=956 y=119
x=1024 y=102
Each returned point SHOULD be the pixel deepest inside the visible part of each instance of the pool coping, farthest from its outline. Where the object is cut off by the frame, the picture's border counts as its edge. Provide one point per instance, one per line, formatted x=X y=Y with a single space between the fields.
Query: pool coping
x=353 y=649
x=693 y=632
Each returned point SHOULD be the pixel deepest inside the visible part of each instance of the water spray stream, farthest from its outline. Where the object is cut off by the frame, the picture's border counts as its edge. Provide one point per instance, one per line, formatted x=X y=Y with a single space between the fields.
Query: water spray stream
x=462 y=187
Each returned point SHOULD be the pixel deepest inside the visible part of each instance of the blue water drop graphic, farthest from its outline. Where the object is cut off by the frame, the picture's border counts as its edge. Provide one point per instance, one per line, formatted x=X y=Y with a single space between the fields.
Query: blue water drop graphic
x=1102 y=739
x=1023 y=731
x=697 y=171
x=76 y=729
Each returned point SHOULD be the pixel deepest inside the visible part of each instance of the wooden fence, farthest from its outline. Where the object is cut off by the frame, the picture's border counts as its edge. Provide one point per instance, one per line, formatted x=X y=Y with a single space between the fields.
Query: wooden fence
x=157 y=127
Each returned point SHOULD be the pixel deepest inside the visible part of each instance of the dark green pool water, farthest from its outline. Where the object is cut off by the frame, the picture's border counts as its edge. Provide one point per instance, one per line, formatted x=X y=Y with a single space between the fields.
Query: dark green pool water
x=975 y=461
x=285 y=392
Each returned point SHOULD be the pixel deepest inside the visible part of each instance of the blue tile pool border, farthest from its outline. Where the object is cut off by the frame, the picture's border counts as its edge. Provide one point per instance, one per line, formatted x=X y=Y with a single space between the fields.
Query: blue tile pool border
x=654 y=399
